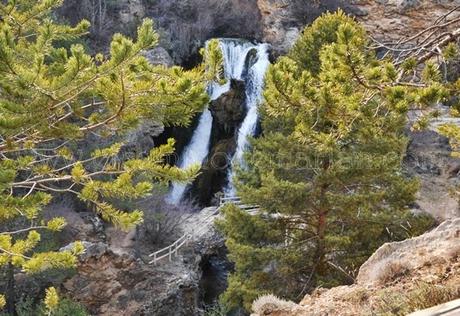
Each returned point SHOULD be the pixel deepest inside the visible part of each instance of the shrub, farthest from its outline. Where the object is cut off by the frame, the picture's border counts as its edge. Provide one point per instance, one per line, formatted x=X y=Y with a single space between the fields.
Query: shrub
x=66 y=307
x=267 y=303
x=216 y=310
x=162 y=220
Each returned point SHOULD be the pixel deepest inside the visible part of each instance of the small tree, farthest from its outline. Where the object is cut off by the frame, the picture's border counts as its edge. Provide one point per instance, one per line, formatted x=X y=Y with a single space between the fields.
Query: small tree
x=327 y=171
x=51 y=98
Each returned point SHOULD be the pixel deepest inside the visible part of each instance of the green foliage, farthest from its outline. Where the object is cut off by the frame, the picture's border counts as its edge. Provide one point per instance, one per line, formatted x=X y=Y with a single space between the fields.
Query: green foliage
x=216 y=310
x=327 y=171
x=53 y=96
x=323 y=31
x=65 y=307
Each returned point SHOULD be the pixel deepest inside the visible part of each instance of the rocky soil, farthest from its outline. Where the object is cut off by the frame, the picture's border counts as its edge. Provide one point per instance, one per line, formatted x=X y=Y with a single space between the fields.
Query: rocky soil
x=425 y=269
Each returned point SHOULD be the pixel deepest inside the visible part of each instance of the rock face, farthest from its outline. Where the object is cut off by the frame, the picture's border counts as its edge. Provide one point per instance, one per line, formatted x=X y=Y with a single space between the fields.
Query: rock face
x=430 y=262
x=228 y=110
x=428 y=158
x=393 y=19
x=184 y=25
x=112 y=282
x=107 y=284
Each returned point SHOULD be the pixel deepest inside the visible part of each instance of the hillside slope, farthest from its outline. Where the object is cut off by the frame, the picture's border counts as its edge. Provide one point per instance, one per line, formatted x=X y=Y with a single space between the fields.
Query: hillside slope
x=399 y=278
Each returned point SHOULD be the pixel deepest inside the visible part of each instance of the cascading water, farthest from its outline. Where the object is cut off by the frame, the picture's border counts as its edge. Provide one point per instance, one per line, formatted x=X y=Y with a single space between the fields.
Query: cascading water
x=254 y=88
x=235 y=54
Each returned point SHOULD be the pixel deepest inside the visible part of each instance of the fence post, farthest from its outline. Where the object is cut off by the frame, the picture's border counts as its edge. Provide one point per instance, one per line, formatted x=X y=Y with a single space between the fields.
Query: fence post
x=155 y=259
x=170 y=254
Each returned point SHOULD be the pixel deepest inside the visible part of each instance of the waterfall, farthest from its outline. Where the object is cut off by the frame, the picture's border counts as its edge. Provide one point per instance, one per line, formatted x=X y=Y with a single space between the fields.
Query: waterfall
x=195 y=153
x=235 y=54
x=254 y=89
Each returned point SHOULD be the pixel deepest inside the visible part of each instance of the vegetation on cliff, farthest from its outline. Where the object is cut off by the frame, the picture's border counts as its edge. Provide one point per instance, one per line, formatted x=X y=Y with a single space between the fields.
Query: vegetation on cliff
x=327 y=171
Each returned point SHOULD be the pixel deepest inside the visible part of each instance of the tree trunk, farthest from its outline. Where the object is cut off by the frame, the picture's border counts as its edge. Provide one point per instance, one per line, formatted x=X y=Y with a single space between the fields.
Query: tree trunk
x=322 y=223
x=321 y=247
x=10 y=290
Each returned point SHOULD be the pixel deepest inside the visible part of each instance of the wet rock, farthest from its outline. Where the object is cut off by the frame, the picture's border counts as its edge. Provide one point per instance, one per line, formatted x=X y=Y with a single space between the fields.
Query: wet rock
x=228 y=111
x=213 y=174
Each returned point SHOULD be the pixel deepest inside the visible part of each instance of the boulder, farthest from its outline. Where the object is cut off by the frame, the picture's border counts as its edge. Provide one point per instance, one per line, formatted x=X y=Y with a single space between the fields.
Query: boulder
x=159 y=56
x=228 y=110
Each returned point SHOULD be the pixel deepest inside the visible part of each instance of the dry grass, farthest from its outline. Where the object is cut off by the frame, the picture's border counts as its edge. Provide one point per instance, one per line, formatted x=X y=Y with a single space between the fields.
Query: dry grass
x=358 y=296
x=393 y=271
x=422 y=296
x=266 y=304
x=453 y=253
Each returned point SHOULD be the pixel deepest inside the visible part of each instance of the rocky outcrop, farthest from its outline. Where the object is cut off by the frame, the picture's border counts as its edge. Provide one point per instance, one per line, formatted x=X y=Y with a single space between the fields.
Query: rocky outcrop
x=107 y=284
x=428 y=158
x=159 y=56
x=228 y=111
x=110 y=281
x=425 y=269
x=111 y=284
x=393 y=19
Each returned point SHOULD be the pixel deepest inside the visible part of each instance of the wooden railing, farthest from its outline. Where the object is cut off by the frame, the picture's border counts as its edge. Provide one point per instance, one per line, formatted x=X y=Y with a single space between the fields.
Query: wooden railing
x=172 y=250
x=229 y=199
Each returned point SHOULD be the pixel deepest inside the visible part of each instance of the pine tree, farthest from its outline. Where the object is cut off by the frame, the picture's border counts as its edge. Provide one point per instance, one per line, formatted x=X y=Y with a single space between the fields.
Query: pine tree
x=327 y=171
x=52 y=97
